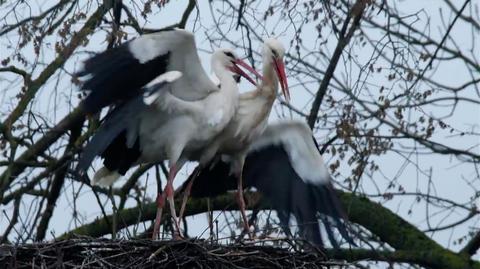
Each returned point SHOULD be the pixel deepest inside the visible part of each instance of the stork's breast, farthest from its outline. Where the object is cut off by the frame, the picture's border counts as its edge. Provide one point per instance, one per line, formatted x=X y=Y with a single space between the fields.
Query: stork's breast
x=216 y=118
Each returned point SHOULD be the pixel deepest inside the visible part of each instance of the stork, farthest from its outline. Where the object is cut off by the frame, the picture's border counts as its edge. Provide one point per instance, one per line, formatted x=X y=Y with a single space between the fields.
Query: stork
x=171 y=118
x=284 y=164
x=119 y=74
x=251 y=116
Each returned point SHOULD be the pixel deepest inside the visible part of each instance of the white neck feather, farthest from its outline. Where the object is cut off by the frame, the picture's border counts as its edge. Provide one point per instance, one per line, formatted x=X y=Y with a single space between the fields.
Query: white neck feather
x=270 y=78
x=227 y=82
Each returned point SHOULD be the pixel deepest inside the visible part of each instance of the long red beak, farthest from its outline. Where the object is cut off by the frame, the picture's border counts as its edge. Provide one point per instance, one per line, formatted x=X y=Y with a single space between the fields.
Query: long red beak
x=249 y=68
x=282 y=77
x=239 y=71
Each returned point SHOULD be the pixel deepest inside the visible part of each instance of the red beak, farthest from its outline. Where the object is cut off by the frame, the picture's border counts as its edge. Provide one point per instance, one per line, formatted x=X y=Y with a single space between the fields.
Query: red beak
x=249 y=68
x=239 y=71
x=282 y=77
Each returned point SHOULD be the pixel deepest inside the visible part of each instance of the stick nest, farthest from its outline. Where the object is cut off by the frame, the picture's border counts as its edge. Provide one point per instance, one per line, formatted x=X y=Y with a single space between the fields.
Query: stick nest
x=103 y=253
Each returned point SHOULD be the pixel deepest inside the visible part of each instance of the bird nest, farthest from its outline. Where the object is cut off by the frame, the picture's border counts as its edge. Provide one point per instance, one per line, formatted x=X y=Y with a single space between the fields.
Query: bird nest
x=103 y=253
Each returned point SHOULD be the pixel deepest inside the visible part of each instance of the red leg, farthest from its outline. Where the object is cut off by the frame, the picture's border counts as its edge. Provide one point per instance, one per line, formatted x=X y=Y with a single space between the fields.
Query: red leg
x=186 y=194
x=158 y=217
x=241 y=202
x=169 y=193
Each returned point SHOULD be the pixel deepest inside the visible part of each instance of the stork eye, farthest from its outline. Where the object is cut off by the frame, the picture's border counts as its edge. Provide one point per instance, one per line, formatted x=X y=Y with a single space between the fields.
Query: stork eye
x=274 y=53
x=229 y=54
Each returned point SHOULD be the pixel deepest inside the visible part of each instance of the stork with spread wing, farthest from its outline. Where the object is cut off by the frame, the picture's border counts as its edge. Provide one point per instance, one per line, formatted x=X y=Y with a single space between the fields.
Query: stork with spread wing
x=174 y=117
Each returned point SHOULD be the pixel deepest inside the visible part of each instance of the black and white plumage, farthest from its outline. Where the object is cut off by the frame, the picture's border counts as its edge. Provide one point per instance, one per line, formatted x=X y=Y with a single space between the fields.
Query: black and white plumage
x=116 y=141
x=250 y=119
x=168 y=127
x=174 y=117
x=285 y=165
x=120 y=73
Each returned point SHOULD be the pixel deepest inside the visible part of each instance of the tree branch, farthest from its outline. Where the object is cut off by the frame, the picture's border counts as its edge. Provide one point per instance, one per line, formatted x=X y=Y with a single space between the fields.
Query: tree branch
x=186 y=14
x=17 y=71
x=8 y=28
x=343 y=40
x=410 y=244
x=41 y=145
x=35 y=85
x=147 y=212
x=181 y=24
x=400 y=234
x=57 y=184
x=472 y=246
x=421 y=257
x=434 y=56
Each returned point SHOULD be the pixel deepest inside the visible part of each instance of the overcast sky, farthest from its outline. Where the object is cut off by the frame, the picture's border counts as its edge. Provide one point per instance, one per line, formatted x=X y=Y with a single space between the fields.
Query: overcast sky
x=447 y=172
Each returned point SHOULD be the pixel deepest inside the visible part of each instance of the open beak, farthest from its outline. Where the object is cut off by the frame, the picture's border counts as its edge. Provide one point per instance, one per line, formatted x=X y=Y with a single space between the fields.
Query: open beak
x=239 y=71
x=282 y=77
x=249 y=68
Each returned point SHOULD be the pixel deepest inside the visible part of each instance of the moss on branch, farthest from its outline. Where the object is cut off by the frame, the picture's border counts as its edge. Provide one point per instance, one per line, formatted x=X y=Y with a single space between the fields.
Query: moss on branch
x=410 y=244
x=401 y=235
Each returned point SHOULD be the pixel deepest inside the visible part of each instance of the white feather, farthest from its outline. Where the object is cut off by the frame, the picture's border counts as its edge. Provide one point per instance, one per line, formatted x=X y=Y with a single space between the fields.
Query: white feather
x=150 y=99
x=296 y=138
x=167 y=102
x=105 y=177
x=214 y=79
x=148 y=47
x=144 y=49
x=216 y=118
x=177 y=129
x=169 y=77
x=182 y=56
x=165 y=77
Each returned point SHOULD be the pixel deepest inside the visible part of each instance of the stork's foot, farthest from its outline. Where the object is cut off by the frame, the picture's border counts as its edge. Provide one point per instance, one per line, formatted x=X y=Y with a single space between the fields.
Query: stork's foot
x=177 y=236
x=250 y=235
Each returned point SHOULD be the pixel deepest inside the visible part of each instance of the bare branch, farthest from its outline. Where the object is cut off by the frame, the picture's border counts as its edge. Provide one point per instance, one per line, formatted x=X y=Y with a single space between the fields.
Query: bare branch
x=343 y=40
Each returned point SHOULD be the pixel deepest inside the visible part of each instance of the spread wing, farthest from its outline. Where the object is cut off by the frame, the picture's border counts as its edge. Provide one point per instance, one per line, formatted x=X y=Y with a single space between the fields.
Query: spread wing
x=118 y=134
x=285 y=165
x=120 y=73
x=120 y=122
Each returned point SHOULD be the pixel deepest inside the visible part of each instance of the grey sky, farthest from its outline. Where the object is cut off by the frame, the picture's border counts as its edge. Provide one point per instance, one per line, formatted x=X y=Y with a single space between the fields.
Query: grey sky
x=450 y=177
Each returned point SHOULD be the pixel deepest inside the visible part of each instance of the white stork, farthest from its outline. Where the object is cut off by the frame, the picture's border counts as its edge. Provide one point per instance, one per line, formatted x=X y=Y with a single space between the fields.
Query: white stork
x=285 y=165
x=171 y=118
x=251 y=116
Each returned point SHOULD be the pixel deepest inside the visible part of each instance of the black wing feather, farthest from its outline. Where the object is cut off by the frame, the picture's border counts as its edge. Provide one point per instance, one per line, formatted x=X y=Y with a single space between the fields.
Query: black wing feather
x=116 y=140
x=270 y=172
x=110 y=138
x=212 y=182
x=116 y=75
x=119 y=156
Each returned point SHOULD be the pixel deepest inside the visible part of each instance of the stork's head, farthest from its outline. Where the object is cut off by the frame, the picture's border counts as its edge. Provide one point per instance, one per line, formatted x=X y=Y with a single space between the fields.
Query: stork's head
x=273 y=48
x=273 y=52
x=229 y=60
